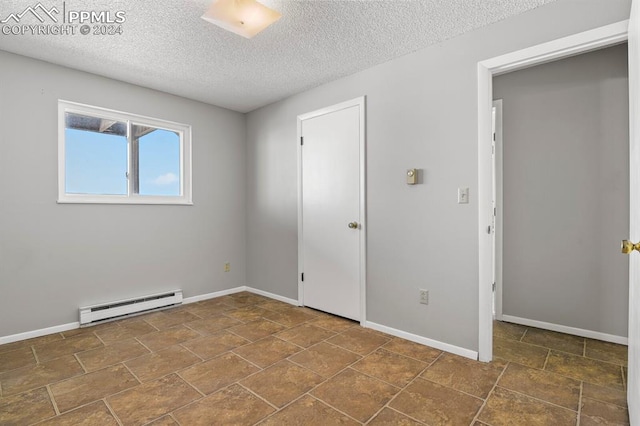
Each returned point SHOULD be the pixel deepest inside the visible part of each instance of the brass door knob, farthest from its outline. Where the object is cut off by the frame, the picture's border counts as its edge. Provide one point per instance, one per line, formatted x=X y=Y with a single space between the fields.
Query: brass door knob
x=627 y=247
x=353 y=225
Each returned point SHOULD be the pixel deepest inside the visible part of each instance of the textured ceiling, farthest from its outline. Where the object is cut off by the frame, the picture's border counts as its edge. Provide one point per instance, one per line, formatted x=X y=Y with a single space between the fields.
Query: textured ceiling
x=166 y=46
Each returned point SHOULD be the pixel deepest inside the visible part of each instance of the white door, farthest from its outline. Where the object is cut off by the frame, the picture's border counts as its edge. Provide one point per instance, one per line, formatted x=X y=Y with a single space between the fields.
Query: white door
x=633 y=384
x=331 y=209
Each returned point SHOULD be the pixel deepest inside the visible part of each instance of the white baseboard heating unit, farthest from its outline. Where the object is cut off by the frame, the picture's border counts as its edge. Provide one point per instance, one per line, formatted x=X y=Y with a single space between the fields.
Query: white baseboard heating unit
x=128 y=307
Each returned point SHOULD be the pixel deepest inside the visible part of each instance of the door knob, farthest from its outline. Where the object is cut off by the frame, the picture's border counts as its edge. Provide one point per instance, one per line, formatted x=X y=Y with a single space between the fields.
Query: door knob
x=627 y=247
x=353 y=225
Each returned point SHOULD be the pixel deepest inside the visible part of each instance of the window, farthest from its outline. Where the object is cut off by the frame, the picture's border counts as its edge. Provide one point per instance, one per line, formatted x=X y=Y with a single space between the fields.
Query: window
x=109 y=156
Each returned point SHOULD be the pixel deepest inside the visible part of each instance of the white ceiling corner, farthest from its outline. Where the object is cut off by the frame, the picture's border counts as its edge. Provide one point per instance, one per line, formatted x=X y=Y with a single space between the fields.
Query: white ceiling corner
x=166 y=46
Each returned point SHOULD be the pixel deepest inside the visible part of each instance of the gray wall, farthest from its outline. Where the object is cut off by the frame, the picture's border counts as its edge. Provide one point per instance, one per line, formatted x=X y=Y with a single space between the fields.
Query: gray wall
x=566 y=191
x=55 y=258
x=421 y=112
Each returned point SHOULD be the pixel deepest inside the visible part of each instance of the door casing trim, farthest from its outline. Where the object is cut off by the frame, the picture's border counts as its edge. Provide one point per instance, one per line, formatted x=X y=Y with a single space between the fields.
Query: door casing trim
x=584 y=42
x=360 y=102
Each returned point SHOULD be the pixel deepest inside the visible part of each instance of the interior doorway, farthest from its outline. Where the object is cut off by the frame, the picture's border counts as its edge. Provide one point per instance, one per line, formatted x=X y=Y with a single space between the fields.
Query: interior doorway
x=566 y=47
x=565 y=168
x=569 y=46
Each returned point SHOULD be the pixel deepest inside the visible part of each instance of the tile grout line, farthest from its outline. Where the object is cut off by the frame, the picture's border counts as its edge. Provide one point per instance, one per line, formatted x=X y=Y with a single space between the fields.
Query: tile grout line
x=136 y=338
x=181 y=344
x=311 y=321
x=546 y=360
x=537 y=399
x=580 y=379
x=408 y=356
x=400 y=388
x=523 y=334
x=130 y=372
x=53 y=401
x=331 y=377
x=453 y=389
x=112 y=411
x=331 y=406
x=166 y=374
x=399 y=412
x=348 y=350
x=493 y=388
x=183 y=405
x=580 y=403
x=81 y=406
x=204 y=395
x=100 y=339
x=171 y=416
x=75 y=355
x=255 y=394
x=250 y=362
x=283 y=407
x=405 y=387
x=35 y=355
x=584 y=349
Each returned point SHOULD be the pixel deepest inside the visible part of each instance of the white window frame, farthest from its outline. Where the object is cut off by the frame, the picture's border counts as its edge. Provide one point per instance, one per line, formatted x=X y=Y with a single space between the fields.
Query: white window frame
x=183 y=130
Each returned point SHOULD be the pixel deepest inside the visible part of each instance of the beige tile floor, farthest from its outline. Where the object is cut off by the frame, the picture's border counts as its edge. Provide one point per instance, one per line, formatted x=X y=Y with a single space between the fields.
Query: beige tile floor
x=245 y=359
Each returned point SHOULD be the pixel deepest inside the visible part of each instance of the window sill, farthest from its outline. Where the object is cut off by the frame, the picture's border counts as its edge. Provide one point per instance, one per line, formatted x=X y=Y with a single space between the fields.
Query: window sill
x=148 y=200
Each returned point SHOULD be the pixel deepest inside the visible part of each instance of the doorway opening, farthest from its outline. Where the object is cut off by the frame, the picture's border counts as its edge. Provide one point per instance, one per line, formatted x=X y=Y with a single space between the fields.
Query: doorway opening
x=548 y=52
x=564 y=186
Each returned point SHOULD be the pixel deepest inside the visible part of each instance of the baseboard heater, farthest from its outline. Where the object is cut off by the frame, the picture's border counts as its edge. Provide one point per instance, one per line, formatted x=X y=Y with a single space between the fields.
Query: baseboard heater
x=122 y=308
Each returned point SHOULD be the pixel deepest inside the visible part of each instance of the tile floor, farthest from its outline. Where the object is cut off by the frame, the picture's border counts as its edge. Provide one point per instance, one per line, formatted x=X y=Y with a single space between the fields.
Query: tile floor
x=245 y=359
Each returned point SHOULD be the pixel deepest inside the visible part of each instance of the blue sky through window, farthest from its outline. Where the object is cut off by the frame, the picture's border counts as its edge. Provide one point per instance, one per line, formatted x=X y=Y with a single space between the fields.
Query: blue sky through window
x=159 y=165
x=96 y=163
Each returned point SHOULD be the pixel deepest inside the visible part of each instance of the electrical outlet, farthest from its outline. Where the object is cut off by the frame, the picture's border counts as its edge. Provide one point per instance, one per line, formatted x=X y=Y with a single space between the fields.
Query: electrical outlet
x=227 y=267
x=424 y=296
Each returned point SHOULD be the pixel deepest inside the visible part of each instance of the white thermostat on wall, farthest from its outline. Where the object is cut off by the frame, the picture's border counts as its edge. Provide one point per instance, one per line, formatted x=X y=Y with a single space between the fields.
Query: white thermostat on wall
x=412 y=176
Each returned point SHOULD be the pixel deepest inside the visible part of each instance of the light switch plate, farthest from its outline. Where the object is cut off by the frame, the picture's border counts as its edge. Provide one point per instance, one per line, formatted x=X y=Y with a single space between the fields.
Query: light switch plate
x=463 y=195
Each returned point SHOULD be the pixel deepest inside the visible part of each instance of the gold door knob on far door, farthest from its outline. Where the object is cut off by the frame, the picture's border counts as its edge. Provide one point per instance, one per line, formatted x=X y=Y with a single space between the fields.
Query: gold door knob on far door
x=627 y=247
x=353 y=225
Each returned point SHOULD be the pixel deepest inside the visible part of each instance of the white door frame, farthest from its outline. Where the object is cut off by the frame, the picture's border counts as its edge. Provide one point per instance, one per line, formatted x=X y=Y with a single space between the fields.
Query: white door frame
x=498 y=227
x=361 y=104
x=565 y=47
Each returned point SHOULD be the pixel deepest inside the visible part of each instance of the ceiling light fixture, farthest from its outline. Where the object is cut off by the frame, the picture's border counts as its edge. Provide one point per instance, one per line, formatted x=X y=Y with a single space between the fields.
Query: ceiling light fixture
x=243 y=17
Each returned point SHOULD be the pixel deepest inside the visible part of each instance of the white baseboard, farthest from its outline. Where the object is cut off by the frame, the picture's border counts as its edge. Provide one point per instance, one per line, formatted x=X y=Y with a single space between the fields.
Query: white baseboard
x=567 y=330
x=467 y=353
x=37 y=333
x=201 y=297
x=392 y=331
x=273 y=296
x=73 y=325
x=234 y=290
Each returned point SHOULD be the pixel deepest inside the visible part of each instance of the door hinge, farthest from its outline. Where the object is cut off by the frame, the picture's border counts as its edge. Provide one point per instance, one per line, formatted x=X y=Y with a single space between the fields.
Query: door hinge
x=302 y=277
x=493 y=287
x=301 y=140
x=494 y=211
x=494 y=136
